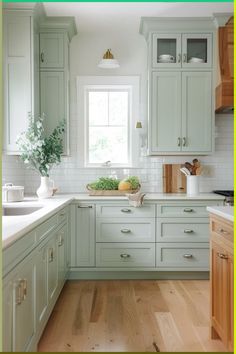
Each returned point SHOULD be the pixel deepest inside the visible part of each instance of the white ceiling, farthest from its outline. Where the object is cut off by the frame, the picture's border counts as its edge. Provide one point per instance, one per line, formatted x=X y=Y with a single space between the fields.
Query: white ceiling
x=102 y=17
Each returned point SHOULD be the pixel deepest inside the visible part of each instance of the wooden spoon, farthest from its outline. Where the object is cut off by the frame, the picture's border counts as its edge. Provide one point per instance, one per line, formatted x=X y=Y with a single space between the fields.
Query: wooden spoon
x=189 y=167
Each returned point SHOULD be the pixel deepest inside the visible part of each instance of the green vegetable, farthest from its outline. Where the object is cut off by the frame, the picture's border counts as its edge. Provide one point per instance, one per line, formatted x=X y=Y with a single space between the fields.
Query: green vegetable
x=105 y=183
x=134 y=181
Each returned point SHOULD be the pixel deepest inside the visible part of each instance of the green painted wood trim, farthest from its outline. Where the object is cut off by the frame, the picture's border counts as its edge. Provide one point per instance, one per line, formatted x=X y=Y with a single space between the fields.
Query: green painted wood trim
x=56 y=23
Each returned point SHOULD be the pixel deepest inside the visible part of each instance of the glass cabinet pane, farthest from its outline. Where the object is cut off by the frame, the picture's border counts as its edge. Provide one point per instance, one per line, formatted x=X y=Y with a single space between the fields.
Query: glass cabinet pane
x=166 y=50
x=197 y=50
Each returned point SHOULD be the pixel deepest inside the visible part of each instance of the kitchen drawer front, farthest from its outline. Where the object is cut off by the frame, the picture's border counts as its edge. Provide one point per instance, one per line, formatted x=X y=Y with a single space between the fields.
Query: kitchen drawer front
x=123 y=230
x=185 y=255
x=125 y=211
x=46 y=228
x=222 y=228
x=63 y=215
x=182 y=230
x=125 y=255
x=183 y=210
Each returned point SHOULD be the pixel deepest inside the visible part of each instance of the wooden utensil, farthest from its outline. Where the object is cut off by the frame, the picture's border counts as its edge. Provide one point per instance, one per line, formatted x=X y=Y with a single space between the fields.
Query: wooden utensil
x=189 y=166
x=198 y=171
x=196 y=165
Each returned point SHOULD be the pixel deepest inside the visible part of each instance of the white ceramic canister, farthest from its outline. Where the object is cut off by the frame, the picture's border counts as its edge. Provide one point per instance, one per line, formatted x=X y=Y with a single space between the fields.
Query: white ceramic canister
x=193 y=185
x=11 y=193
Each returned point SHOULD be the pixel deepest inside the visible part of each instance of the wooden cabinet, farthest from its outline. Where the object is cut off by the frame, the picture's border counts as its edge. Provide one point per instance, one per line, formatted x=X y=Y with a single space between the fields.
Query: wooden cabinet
x=52 y=50
x=181 y=50
x=83 y=235
x=180 y=119
x=222 y=280
x=20 y=74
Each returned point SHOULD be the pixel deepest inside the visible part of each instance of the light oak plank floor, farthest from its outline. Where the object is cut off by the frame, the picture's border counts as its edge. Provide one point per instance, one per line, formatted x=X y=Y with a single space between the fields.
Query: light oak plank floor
x=131 y=316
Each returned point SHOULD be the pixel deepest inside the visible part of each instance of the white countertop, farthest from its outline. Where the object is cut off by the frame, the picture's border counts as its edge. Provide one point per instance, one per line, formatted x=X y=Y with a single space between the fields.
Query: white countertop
x=14 y=227
x=226 y=212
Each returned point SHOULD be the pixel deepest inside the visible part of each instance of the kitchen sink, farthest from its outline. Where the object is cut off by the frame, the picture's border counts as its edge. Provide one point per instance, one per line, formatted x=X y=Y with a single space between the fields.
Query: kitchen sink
x=14 y=211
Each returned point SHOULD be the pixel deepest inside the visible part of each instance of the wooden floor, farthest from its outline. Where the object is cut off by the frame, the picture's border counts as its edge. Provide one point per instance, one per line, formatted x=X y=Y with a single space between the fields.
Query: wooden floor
x=131 y=316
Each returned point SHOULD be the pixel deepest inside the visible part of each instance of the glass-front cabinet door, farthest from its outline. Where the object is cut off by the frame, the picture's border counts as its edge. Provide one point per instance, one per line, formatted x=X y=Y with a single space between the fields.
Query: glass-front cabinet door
x=197 y=50
x=166 y=51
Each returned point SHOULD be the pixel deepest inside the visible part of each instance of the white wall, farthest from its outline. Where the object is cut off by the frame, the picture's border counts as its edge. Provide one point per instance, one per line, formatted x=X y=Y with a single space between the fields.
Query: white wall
x=130 y=49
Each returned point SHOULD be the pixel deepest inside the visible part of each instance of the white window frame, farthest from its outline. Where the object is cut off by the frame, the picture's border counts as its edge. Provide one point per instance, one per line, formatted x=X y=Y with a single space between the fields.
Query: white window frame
x=89 y=83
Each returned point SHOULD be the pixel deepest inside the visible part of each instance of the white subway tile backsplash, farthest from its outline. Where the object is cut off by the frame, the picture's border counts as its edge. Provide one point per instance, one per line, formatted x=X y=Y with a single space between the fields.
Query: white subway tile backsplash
x=218 y=167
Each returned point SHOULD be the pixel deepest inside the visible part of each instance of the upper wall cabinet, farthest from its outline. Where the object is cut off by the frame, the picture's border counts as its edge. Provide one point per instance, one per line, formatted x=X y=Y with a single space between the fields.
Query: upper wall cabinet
x=52 y=50
x=181 y=68
x=187 y=50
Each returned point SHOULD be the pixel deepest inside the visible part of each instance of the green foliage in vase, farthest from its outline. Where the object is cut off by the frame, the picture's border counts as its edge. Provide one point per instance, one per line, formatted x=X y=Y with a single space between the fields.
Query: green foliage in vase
x=134 y=181
x=38 y=151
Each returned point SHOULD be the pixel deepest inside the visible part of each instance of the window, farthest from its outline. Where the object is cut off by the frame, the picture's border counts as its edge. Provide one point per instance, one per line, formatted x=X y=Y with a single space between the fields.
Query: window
x=108 y=110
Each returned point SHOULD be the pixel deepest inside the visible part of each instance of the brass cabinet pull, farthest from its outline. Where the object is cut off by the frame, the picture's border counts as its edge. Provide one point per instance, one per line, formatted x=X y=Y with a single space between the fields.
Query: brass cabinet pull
x=24 y=284
x=125 y=231
x=60 y=241
x=184 y=58
x=125 y=255
x=188 y=255
x=126 y=210
x=51 y=255
x=85 y=206
x=222 y=256
x=42 y=57
x=188 y=231
x=184 y=141
x=179 y=58
x=179 y=141
x=19 y=293
x=188 y=210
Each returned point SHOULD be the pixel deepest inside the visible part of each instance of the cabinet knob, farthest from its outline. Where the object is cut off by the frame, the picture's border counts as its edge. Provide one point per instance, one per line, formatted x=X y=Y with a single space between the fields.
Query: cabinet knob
x=222 y=231
x=188 y=255
x=222 y=256
x=188 y=231
x=188 y=210
x=125 y=231
x=126 y=210
x=125 y=255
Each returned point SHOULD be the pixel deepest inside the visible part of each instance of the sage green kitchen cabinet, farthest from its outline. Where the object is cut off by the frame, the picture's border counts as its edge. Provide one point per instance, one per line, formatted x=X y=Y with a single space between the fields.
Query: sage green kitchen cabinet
x=52 y=268
x=53 y=102
x=196 y=112
x=83 y=235
x=20 y=74
x=180 y=117
x=165 y=115
x=52 y=50
x=7 y=316
x=41 y=285
x=23 y=305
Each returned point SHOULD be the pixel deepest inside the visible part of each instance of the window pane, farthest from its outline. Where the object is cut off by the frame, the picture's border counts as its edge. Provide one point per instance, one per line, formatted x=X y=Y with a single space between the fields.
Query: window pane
x=98 y=108
x=118 y=108
x=108 y=143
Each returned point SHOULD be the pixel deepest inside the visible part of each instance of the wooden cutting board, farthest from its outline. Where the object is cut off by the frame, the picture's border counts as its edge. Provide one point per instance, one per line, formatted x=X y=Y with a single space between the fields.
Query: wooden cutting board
x=174 y=181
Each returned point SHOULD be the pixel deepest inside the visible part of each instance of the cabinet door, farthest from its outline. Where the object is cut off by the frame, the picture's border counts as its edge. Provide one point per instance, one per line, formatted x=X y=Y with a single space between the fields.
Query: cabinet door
x=165 y=114
x=62 y=252
x=197 y=50
x=41 y=285
x=51 y=50
x=17 y=78
x=83 y=238
x=220 y=294
x=23 y=306
x=7 y=308
x=52 y=268
x=196 y=112
x=53 y=100
x=231 y=303
x=166 y=50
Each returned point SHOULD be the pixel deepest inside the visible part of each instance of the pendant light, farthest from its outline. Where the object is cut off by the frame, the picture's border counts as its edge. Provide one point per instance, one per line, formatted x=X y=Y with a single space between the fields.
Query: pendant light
x=108 y=61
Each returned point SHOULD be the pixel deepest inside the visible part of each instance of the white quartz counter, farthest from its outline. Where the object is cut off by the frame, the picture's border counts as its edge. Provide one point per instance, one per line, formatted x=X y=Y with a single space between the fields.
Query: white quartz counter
x=14 y=227
x=226 y=212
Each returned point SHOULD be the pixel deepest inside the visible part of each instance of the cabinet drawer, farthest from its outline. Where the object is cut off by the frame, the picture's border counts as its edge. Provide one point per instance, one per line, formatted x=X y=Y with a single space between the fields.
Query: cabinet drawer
x=124 y=210
x=46 y=228
x=222 y=228
x=188 y=256
x=125 y=255
x=182 y=230
x=62 y=215
x=182 y=210
x=123 y=230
